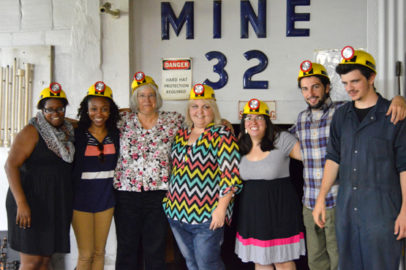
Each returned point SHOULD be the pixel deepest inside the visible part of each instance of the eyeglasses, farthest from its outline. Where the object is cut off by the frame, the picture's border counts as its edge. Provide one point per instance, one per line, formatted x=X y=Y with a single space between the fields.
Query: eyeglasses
x=57 y=110
x=250 y=118
x=143 y=96
x=100 y=146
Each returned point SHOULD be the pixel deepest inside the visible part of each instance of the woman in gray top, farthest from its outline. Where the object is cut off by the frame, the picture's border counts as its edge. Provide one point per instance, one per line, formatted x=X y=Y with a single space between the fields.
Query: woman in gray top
x=269 y=230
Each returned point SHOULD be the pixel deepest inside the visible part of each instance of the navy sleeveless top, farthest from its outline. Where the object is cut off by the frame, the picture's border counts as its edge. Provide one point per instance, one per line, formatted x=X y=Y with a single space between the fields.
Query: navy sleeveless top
x=93 y=171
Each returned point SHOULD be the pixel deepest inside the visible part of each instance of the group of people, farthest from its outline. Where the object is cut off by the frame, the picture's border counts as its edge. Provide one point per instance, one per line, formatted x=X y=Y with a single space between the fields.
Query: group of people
x=60 y=174
x=353 y=192
x=150 y=168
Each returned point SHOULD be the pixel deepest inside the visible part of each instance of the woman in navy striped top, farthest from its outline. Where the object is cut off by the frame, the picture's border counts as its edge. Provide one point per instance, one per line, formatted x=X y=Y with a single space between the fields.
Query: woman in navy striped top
x=97 y=149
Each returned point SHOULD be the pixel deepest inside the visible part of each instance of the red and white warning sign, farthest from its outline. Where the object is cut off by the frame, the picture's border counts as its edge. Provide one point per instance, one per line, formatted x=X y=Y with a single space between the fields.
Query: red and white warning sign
x=176 y=78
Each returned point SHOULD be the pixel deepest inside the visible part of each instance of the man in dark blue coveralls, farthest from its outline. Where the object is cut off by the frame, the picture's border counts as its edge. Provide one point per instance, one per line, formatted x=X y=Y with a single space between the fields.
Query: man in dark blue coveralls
x=367 y=155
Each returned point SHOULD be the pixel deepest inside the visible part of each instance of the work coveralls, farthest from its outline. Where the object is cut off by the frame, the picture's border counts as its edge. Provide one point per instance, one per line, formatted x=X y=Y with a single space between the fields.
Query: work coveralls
x=370 y=154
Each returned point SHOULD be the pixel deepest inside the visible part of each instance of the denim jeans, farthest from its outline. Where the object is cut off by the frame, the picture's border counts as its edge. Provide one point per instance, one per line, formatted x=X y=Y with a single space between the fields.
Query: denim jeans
x=199 y=245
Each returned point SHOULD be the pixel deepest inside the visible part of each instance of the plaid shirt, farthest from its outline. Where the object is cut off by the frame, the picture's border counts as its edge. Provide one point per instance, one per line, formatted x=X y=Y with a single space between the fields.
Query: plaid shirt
x=312 y=129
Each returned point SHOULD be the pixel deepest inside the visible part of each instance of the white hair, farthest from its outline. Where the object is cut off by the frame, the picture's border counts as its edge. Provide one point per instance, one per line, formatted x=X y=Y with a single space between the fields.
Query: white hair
x=134 y=97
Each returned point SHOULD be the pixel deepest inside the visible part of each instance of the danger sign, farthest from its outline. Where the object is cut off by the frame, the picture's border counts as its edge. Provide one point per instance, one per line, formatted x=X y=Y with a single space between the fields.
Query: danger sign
x=176 y=64
x=176 y=78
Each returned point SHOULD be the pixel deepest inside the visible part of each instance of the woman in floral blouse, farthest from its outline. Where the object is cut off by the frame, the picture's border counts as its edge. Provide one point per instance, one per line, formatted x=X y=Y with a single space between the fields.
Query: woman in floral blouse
x=141 y=176
x=204 y=178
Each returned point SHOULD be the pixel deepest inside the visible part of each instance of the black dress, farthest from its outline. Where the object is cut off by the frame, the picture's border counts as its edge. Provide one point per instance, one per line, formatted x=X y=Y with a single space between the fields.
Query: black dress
x=47 y=184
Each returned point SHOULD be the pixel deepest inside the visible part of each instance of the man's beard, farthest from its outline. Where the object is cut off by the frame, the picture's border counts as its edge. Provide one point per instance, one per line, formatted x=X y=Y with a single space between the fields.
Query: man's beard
x=320 y=103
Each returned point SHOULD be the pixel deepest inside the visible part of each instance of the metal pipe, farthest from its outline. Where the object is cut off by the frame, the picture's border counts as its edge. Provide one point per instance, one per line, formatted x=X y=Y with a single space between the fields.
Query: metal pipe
x=13 y=101
x=6 y=108
x=1 y=106
x=30 y=88
x=391 y=29
x=21 y=109
x=401 y=47
x=27 y=93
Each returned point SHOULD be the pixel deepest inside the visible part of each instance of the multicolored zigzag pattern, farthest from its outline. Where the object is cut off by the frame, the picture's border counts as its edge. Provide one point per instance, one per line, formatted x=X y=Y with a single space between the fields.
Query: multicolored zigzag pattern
x=201 y=173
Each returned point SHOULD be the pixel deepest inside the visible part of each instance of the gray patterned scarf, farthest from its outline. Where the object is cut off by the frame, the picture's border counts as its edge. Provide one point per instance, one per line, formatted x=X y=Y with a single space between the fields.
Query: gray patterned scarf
x=59 y=140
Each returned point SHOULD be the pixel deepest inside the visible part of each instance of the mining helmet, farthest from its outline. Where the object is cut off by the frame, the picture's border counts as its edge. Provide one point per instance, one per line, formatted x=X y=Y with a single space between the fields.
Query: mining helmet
x=100 y=89
x=308 y=68
x=256 y=106
x=140 y=79
x=351 y=57
x=202 y=91
x=54 y=90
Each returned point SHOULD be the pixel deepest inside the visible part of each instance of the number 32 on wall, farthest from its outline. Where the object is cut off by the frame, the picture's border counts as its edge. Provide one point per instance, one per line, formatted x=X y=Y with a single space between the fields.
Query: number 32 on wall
x=248 y=83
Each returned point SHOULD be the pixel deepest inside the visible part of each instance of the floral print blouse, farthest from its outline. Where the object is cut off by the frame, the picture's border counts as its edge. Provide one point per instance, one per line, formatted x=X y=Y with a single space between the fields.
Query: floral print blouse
x=144 y=153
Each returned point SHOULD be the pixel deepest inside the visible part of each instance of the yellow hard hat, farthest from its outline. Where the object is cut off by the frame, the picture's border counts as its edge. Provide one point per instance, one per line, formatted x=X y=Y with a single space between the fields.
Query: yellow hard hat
x=202 y=91
x=256 y=106
x=140 y=79
x=54 y=90
x=100 y=89
x=351 y=57
x=308 y=68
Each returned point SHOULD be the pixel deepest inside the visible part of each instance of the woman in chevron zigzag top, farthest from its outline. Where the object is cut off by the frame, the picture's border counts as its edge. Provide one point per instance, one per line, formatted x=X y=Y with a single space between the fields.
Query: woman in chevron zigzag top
x=204 y=178
x=269 y=227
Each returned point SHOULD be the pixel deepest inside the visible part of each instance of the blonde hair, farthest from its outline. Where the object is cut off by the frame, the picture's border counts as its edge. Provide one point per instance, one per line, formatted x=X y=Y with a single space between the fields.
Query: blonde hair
x=213 y=105
x=134 y=98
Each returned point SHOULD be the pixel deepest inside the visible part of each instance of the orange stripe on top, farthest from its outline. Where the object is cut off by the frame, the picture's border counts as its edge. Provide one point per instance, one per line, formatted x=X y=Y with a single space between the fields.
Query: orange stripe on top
x=93 y=150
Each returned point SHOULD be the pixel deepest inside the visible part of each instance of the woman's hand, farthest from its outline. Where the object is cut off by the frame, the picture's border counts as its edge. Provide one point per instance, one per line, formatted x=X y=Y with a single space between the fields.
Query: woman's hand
x=217 y=218
x=227 y=123
x=23 y=218
x=219 y=214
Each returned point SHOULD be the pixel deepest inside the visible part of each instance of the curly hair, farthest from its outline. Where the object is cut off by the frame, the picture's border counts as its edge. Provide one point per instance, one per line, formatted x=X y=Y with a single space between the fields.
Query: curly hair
x=84 y=120
x=267 y=142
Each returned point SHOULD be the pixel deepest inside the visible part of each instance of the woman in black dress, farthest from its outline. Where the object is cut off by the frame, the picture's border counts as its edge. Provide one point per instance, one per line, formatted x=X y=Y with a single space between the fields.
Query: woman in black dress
x=38 y=168
x=269 y=227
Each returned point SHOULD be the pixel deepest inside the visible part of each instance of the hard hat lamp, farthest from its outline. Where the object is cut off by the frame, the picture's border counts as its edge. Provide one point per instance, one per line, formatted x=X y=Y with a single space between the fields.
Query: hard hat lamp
x=55 y=87
x=253 y=104
x=347 y=52
x=198 y=89
x=139 y=76
x=306 y=66
x=99 y=86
